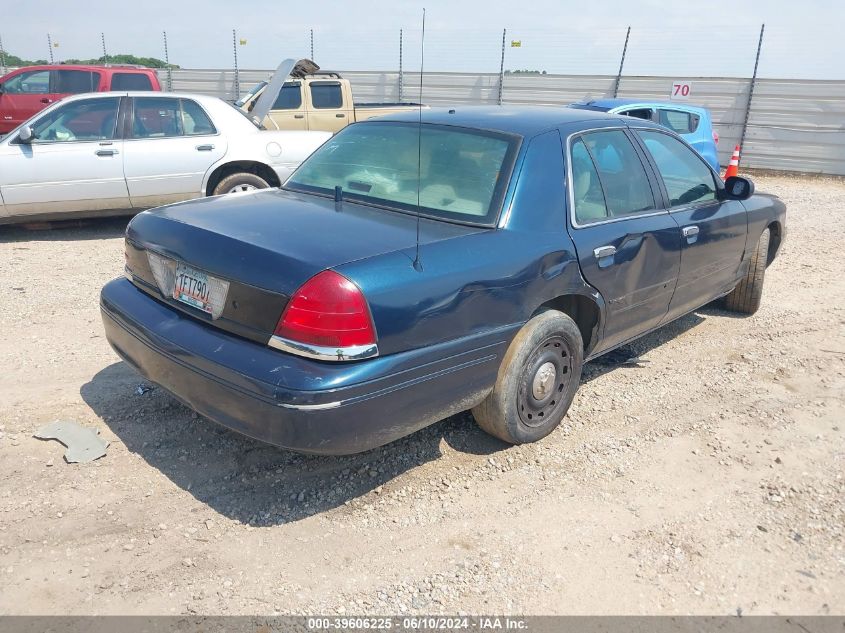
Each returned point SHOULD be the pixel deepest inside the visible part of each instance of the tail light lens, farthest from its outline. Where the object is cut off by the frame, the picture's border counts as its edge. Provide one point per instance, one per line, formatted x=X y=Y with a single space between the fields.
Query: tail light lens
x=715 y=137
x=328 y=311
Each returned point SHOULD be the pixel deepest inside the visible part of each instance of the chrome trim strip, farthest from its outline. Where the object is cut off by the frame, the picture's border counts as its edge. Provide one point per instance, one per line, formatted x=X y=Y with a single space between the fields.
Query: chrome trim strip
x=312 y=407
x=317 y=352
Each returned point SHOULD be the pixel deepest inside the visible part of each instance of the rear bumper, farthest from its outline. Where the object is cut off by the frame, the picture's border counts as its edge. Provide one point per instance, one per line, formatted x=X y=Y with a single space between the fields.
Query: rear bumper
x=298 y=403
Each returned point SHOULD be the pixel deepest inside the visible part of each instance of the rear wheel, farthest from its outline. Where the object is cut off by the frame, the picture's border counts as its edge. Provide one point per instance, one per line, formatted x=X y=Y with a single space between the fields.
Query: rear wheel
x=240 y=182
x=748 y=294
x=537 y=380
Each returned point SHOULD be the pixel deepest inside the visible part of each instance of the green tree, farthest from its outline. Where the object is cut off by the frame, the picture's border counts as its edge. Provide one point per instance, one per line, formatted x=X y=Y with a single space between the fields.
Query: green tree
x=14 y=60
x=149 y=62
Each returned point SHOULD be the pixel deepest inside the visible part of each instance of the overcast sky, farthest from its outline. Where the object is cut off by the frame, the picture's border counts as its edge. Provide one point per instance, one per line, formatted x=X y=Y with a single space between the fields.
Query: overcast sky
x=682 y=38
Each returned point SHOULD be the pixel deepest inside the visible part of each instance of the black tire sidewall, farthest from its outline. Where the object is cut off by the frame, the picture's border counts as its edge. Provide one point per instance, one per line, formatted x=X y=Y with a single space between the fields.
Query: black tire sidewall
x=240 y=178
x=506 y=393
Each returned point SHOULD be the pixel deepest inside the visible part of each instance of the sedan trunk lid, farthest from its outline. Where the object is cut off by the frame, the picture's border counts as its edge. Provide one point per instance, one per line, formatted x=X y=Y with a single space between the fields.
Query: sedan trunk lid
x=266 y=245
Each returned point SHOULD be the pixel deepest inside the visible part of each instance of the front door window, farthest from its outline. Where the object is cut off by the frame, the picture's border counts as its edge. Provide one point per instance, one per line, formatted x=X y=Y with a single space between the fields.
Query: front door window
x=687 y=177
x=86 y=120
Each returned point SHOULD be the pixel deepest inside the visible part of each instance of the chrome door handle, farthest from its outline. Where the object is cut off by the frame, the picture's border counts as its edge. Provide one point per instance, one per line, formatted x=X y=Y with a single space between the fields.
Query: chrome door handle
x=604 y=251
x=106 y=152
x=46 y=100
x=340 y=116
x=689 y=231
x=205 y=148
x=298 y=116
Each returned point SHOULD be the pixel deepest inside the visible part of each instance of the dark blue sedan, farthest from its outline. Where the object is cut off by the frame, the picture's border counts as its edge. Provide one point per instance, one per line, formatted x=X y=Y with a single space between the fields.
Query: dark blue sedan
x=411 y=269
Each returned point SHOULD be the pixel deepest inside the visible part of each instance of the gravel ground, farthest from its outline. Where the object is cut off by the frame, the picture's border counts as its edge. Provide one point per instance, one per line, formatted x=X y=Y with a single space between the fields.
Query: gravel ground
x=707 y=480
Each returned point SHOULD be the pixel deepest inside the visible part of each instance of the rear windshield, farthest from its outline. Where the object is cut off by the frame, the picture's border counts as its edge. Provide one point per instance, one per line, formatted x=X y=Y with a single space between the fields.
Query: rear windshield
x=456 y=173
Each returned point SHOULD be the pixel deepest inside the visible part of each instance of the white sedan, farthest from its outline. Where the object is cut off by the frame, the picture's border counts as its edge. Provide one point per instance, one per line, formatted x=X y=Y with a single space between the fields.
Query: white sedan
x=116 y=153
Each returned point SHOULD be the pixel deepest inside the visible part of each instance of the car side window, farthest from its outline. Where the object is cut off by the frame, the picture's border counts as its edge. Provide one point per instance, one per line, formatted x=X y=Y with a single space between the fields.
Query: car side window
x=687 y=177
x=587 y=194
x=195 y=121
x=290 y=97
x=75 y=81
x=34 y=82
x=130 y=81
x=87 y=120
x=326 y=94
x=639 y=113
x=157 y=117
x=677 y=121
x=621 y=173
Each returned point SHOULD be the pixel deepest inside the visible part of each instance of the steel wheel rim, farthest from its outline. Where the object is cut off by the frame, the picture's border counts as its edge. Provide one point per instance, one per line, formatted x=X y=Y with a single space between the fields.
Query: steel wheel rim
x=544 y=381
x=242 y=188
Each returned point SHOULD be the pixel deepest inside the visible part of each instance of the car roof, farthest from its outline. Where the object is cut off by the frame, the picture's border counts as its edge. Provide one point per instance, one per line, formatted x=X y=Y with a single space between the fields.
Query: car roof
x=139 y=93
x=111 y=67
x=522 y=120
x=619 y=102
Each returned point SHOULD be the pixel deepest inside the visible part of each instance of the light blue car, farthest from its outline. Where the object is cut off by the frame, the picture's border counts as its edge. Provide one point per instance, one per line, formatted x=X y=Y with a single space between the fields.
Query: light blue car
x=692 y=123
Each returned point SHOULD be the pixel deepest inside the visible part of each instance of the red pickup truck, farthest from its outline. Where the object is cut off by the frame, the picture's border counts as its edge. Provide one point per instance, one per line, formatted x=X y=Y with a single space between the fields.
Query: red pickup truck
x=26 y=91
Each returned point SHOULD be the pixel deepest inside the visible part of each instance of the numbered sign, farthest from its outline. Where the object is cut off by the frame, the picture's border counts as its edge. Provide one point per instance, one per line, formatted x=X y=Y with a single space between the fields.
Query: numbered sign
x=681 y=90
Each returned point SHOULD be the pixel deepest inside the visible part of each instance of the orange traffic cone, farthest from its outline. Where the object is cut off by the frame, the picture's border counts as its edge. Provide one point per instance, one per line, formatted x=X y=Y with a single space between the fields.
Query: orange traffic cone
x=733 y=166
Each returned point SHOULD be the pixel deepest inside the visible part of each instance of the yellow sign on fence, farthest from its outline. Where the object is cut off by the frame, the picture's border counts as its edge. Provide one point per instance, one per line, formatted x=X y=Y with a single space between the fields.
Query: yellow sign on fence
x=516 y=43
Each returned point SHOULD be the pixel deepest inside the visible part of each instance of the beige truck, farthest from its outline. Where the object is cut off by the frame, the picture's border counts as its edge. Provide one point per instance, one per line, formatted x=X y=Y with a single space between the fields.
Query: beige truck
x=310 y=99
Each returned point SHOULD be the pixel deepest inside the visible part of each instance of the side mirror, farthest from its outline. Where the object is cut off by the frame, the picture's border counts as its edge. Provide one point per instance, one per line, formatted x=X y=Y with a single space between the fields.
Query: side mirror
x=26 y=135
x=738 y=188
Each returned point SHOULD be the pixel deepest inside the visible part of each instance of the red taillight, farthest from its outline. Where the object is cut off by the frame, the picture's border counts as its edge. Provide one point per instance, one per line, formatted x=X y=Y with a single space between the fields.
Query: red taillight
x=328 y=311
x=715 y=137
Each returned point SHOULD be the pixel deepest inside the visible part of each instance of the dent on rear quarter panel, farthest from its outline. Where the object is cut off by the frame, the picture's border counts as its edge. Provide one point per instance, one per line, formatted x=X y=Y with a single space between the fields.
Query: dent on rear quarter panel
x=489 y=279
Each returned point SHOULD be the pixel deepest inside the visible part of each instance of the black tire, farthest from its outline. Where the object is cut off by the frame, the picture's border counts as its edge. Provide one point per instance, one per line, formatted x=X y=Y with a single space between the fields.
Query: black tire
x=240 y=181
x=748 y=294
x=513 y=412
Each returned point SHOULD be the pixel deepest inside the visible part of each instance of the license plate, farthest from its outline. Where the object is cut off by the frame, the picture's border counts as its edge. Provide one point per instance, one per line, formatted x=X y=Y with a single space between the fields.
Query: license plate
x=193 y=287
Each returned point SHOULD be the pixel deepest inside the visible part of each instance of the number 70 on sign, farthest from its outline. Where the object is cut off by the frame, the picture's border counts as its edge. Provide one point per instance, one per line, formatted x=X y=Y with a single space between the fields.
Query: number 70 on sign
x=680 y=90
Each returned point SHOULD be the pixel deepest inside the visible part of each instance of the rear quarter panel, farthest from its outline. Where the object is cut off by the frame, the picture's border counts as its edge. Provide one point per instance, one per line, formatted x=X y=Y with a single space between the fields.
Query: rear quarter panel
x=495 y=279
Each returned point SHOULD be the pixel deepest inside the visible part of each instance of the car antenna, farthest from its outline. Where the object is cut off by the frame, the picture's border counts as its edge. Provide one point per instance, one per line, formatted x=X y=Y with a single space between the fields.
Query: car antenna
x=417 y=263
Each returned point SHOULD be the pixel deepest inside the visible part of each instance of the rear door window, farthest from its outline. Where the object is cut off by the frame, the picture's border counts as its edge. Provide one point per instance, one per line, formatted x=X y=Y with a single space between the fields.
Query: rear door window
x=687 y=177
x=587 y=193
x=75 y=81
x=621 y=173
x=195 y=120
x=290 y=97
x=157 y=117
x=677 y=121
x=326 y=94
x=131 y=81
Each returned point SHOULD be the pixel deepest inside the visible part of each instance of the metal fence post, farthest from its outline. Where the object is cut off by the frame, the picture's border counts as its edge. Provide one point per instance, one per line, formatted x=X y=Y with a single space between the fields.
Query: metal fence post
x=105 y=54
x=167 y=63
x=502 y=67
x=237 y=78
x=312 y=45
x=50 y=47
x=400 y=65
x=621 y=64
x=751 y=88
